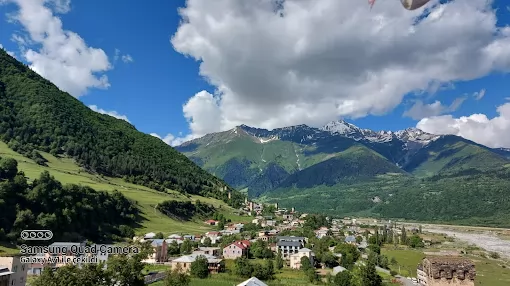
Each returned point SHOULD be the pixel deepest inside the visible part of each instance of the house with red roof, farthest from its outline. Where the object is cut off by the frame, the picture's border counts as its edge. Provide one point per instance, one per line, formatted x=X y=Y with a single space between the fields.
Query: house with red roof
x=236 y=249
x=211 y=222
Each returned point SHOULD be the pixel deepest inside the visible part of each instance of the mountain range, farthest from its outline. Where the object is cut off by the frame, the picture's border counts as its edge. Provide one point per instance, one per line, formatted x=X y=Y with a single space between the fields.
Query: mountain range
x=302 y=165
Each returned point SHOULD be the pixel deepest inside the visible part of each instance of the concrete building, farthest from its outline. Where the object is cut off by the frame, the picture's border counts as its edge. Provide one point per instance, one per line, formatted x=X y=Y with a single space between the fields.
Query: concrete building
x=446 y=271
x=185 y=262
x=295 y=259
x=19 y=270
x=236 y=249
x=288 y=245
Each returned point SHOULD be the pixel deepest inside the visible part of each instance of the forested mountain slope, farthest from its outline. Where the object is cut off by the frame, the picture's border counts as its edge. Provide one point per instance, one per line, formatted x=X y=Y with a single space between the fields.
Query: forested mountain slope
x=36 y=115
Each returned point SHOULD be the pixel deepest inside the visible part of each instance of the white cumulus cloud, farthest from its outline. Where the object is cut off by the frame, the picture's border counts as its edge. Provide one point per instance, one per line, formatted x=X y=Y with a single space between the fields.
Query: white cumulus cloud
x=112 y=113
x=63 y=57
x=476 y=127
x=309 y=61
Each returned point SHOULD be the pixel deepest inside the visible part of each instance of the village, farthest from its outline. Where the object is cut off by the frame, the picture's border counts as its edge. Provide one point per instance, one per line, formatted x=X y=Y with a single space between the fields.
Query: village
x=323 y=249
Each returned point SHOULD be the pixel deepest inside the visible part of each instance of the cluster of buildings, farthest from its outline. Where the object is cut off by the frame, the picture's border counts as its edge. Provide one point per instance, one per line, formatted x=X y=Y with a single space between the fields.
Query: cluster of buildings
x=432 y=271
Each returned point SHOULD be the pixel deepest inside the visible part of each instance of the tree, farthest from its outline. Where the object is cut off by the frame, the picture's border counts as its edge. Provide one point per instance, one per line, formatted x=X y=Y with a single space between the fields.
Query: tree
x=159 y=235
x=393 y=261
x=186 y=246
x=243 y=268
x=260 y=249
x=382 y=261
x=375 y=248
x=359 y=239
x=342 y=279
x=173 y=248
x=305 y=263
x=220 y=225
x=207 y=242
x=279 y=261
x=369 y=276
x=403 y=237
x=329 y=259
x=200 y=267
x=127 y=271
x=312 y=275
x=176 y=277
x=416 y=241
x=8 y=168
x=269 y=269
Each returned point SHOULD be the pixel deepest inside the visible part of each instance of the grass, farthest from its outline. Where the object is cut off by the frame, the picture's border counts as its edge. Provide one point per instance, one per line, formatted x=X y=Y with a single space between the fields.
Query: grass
x=66 y=171
x=407 y=259
x=490 y=272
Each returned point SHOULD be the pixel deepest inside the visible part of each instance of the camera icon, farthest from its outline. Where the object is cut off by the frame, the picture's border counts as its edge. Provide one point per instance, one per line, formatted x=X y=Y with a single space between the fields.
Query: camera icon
x=36 y=234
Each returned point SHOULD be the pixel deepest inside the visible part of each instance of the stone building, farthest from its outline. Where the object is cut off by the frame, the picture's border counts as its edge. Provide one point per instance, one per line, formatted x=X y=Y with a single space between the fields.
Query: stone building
x=446 y=271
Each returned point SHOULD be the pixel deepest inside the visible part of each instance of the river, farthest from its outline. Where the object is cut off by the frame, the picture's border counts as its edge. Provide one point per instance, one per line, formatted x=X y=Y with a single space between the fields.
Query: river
x=484 y=240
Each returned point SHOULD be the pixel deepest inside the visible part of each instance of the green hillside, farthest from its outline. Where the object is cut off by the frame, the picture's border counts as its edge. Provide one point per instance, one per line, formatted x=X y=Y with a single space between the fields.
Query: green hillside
x=67 y=172
x=471 y=197
x=36 y=116
x=452 y=154
x=352 y=165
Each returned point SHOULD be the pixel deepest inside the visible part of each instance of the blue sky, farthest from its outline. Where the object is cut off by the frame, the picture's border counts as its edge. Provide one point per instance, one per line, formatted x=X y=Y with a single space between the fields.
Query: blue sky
x=151 y=89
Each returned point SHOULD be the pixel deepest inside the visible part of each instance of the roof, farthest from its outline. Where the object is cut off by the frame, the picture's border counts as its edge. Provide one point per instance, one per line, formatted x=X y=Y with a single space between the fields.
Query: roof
x=290 y=238
x=252 y=282
x=338 y=269
x=4 y=270
x=350 y=238
x=192 y=257
x=304 y=250
x=157 y=242
x=288 y=243
x=243 y=244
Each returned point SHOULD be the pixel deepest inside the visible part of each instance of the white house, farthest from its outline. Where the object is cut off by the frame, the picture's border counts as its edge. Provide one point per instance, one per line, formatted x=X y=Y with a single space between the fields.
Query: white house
x=295 y=259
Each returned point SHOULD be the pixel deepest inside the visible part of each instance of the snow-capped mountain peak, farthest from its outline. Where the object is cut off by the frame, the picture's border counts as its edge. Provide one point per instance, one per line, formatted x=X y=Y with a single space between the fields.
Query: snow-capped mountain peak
x=340 y=127
x=415 y=135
